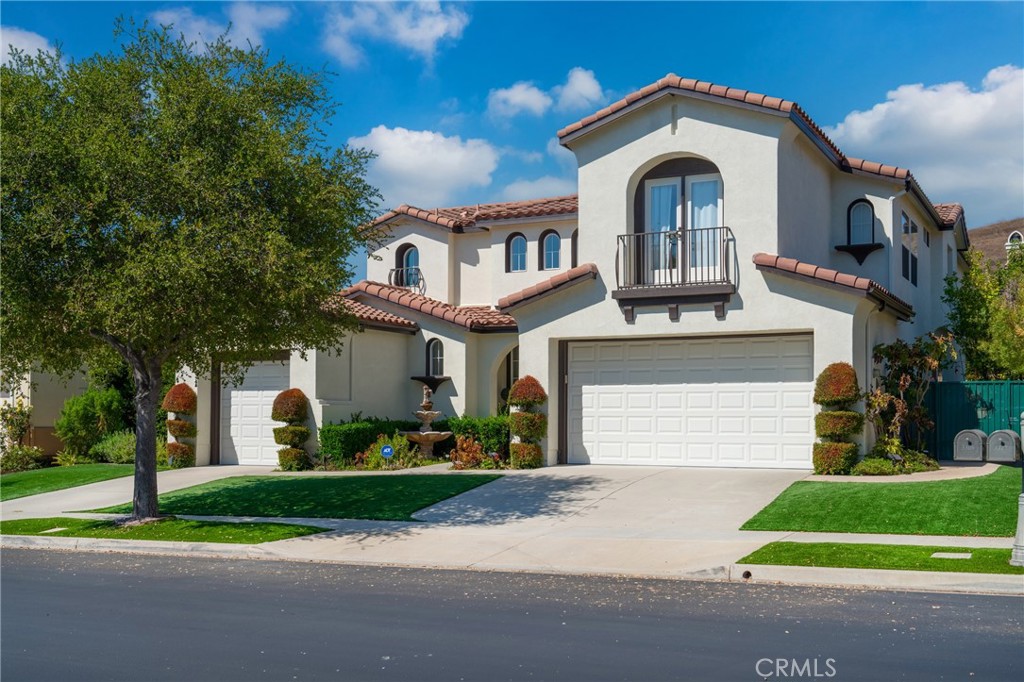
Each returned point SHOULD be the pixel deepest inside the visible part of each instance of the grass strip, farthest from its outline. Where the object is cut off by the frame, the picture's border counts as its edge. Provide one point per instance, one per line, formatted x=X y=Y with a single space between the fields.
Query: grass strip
x=982 y=506
x=36 y=481
x=382 y=498
x=176 y=530
x=891 y=557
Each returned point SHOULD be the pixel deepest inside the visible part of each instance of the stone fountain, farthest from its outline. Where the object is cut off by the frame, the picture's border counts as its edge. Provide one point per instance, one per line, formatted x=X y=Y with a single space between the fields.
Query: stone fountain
x=426 y=437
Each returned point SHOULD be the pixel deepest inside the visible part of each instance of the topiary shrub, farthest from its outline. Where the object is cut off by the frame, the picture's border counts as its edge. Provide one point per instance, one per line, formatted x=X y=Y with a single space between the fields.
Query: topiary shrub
x=526 y=393
x=837 y=385
x=530 y=426
x=293 y=459
x=290 y=406
x=838 y=425
x=87 y=418
x=834 y=458
x=180 y=428
x=876 y=466
x=180 y=455
x=180 y=399
x=525 y=456
x=22 y=458
x=292 y=435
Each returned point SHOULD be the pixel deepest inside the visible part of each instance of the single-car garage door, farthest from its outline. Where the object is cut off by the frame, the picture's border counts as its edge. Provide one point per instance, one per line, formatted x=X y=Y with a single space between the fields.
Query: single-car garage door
x=246 y=429
x=722 y=402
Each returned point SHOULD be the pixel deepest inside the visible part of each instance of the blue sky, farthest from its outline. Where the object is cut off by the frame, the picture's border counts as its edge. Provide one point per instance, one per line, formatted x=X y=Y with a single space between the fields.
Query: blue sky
x=462 y=100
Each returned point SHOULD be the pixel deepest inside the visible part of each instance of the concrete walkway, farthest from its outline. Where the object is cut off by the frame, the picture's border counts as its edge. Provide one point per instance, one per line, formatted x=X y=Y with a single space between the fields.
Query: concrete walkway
x=641 y=521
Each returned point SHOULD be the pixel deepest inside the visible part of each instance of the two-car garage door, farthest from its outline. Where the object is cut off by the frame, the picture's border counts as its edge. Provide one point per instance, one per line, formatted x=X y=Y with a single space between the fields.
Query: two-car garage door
x=716 y=402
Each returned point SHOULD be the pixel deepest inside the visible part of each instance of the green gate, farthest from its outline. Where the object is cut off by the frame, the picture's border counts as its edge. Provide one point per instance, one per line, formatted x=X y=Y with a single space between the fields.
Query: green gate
x=958 y=405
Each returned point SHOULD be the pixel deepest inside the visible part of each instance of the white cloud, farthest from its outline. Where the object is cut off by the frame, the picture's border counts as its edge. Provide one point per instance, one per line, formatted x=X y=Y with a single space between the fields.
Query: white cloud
x=28 y=42
x=962 y=144
x=521 y=97
x=546 y=186
x=581 y=91
x=416 y=26
x=249 y=21
x=565 y=158
x=425 y=168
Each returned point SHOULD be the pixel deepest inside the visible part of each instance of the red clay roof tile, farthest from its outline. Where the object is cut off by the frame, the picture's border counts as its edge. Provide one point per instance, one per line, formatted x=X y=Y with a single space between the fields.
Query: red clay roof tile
x=374 y=317
x=568 y=278
x=457 y=218
x=471 y=317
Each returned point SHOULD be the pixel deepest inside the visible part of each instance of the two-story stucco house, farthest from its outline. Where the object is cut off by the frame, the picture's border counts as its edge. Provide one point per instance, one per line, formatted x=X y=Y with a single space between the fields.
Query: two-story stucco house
x=721 y=251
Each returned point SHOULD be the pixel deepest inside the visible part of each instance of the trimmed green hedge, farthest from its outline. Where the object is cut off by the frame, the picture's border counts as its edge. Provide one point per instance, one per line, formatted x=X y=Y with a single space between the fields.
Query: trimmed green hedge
x=491 y=432
x=341 y=442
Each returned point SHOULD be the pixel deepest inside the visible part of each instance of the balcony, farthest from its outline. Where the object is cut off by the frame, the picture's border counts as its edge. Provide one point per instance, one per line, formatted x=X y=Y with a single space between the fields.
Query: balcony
x=408 y=278
x=681 y=266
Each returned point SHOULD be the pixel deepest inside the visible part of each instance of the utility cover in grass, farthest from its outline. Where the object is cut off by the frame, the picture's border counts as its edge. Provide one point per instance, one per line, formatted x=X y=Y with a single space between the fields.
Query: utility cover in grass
x=382 y=498
x=174 y=530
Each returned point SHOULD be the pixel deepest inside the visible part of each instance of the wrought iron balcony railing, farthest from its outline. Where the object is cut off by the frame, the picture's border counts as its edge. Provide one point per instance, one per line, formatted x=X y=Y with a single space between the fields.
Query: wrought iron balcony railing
x=700 y=257
x=409 y=278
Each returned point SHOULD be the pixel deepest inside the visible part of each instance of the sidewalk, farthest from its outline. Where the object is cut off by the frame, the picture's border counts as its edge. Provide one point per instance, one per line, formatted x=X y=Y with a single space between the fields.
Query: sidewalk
x=636 y=521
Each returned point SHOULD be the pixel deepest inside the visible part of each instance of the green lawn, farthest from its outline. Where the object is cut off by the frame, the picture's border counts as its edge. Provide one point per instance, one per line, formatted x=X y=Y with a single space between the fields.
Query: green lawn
x=983 y=506
x=894 y=557
x=179 y=530
x=383 y=498
x=24 y=483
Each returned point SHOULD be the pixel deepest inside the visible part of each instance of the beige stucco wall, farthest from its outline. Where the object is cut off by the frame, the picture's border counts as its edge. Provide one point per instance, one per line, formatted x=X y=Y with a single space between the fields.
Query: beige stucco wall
x=505 y=283
x=432 y=242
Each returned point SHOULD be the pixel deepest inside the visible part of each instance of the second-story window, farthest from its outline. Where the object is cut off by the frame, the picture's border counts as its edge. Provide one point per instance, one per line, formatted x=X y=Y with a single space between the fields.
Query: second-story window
x=410 y=267
x=515 y=253
x=435 y=358
x=909 y=250
x=860 y=226
x=551 y=251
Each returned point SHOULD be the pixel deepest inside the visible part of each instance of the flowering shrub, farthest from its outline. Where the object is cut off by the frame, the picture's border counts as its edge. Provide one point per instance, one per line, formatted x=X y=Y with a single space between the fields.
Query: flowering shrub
x=837 y=425
x=180 y=399
x=837 y=385
x=180 y=428
x=469 y=454
x=527 y=392
x=525 y=456
x=292 y=435
x=404 y=454
x=15 y=422
x=834 y=458
x=290 y=406
x=21 y=458
x=180 y=455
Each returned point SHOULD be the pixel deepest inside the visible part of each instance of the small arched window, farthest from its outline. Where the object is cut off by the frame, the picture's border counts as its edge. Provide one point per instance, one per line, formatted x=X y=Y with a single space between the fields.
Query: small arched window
x=550 y=251
x=515 y=253
x=860 y=223
x=1014 y=240
x=574 y=248
x=435 y=358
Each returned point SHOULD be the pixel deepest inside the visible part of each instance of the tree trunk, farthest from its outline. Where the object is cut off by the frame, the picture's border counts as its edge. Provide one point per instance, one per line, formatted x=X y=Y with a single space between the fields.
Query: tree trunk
x=147 y=398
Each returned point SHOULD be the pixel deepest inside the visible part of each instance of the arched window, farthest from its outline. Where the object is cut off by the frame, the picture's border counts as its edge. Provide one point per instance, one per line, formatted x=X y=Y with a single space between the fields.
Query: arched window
x=1015 y=240
x=407 y=266
x=435 y=358
x=574 y=248
x=515 y=253
x=860 y=223
x=550 y=251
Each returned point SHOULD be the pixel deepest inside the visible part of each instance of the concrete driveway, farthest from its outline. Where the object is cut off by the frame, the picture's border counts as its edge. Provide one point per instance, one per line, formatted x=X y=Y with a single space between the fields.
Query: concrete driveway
x=583 y=519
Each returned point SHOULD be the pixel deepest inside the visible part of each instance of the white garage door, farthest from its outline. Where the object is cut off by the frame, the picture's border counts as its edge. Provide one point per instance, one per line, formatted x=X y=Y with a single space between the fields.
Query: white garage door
x=726 y=402
x=246 y=429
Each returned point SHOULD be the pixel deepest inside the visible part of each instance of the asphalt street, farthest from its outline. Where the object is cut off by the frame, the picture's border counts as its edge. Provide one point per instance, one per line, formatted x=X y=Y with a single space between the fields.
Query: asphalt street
x=78 y=616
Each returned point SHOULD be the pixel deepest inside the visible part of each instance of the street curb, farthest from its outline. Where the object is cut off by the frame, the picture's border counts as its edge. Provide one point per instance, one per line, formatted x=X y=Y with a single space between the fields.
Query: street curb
x=972 y=583
x=203 y=549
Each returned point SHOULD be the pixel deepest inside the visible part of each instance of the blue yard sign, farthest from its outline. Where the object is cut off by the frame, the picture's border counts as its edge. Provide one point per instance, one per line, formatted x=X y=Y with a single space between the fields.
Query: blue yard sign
x=387 y=452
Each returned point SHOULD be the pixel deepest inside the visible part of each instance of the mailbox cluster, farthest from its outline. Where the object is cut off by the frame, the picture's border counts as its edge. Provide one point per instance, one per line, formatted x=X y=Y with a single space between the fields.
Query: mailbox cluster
x=972 y=445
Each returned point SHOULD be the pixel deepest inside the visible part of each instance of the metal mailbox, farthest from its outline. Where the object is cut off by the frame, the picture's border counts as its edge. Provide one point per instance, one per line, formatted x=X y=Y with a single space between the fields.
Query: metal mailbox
x=1003 y=446
x=969 y=446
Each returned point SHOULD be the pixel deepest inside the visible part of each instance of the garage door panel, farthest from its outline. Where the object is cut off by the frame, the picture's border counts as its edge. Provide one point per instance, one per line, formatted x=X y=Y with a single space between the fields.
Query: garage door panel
x=742 y=401
x=247 y=430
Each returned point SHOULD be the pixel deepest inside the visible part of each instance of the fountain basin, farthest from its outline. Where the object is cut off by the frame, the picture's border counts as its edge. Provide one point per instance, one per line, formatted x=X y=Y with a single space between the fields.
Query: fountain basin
x=426 y=440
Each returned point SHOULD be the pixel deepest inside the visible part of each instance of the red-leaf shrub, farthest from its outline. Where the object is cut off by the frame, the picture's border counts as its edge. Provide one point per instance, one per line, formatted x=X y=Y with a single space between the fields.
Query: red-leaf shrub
x=527 y=392
x=180 y=455
x=837 y=385
x=837 y=424
x=292 y=435
x=834 y=458
x=290 y=406
x=525 y=456
x=180 y=399
x=529 y=426
x=293 y=459
x=469 y=454
x=180 y=428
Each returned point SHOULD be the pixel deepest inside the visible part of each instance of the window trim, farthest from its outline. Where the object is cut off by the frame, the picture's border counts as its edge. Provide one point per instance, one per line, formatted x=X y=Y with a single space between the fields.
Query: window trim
x=677 y=181
x=508 y=252
x=1015 y=243
x=703 y=177
x=542 y=250
x=849 y=221
x=430 y=366
x=574 y=258
x=512 y=358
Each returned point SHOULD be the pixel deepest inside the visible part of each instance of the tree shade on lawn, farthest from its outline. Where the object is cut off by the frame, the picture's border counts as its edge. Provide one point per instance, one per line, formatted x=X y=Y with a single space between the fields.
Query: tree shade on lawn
x=383 y=498
x=982 y=506
x=175 y=530
x=167 y=203
x=24 y=483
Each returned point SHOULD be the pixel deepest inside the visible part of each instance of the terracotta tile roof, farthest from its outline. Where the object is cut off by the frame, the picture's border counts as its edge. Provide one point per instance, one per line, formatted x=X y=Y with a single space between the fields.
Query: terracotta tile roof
x=767 y=261
x=456 y=218
x=949 y=213
x=991 y=239
x=374 y=318
x=578 y=274
x=472 y=317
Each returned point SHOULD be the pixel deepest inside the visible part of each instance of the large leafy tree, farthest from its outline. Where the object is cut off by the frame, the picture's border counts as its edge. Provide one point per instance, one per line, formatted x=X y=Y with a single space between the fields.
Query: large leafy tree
x=986 y=315
x=170 y=203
